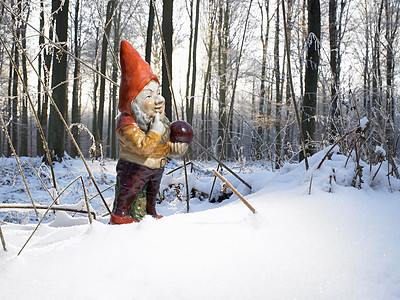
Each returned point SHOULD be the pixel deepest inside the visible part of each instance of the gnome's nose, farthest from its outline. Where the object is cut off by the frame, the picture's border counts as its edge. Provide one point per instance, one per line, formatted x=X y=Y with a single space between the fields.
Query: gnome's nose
x=160 y=100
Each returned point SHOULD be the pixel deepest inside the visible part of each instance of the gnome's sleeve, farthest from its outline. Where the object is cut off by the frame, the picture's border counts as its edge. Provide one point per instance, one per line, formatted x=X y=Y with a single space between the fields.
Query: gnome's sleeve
x=135 y=140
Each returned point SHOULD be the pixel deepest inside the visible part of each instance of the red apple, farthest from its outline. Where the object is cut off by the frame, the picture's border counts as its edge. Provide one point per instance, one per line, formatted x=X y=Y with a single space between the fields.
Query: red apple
x=181 y=132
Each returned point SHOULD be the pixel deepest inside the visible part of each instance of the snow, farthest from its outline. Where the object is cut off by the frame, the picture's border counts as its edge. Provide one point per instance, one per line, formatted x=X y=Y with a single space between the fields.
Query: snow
x=363 y=123
x=303 y=243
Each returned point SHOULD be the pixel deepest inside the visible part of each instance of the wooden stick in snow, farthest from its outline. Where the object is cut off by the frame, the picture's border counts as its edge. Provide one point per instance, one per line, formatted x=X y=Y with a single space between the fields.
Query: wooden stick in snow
x=229 y=186
x=2 y=240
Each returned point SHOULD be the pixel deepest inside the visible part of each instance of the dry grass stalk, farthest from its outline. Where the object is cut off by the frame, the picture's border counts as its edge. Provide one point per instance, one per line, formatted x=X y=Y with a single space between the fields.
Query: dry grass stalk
x=47 y=211
x=86 y=201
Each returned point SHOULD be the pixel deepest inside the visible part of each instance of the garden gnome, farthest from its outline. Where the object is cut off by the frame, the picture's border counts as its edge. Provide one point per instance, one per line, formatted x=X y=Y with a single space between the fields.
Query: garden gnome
x=143 y=133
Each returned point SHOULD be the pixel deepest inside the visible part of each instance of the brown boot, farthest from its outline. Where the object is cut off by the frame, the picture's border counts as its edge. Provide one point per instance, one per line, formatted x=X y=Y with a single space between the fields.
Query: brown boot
x=116 y=220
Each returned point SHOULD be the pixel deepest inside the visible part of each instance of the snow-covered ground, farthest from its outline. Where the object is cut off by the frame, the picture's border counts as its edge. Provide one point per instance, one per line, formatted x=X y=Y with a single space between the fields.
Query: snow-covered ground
x=304 y=242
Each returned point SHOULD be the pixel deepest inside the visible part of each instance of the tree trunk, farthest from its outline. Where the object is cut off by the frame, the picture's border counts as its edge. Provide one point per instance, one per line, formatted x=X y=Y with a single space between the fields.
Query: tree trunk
x=96 y=83
x=222 y=69
x=48 y=58
x=311 y=77
x=117 y=33
x=103 y=64
x=376 y=73
x=204 y=116
x=24 y=119
x=187 y=106
x=262 y=109
x=167 y=30
x=278 y=95
x=9 y=94
x=15 y=121
x=194 y=68
x=40 y=103
x=149 y=39
x=392 y=23
x=289 y=130
x=76 y=106
x=333 y=41
x=59 y=83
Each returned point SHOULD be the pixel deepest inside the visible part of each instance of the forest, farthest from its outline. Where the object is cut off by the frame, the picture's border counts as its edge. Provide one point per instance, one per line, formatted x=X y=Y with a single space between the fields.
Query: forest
x=264 y=80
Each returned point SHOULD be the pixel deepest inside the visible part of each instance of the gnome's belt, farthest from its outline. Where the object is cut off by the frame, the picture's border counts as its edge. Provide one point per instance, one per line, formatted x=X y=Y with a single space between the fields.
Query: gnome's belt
x=149 y=162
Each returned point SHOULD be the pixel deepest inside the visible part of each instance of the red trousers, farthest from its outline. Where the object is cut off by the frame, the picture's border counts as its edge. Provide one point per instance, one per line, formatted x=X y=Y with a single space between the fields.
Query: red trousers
x=132 y=177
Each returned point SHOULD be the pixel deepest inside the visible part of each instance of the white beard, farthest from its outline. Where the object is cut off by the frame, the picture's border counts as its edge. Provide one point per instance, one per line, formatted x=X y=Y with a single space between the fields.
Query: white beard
x=143 y=121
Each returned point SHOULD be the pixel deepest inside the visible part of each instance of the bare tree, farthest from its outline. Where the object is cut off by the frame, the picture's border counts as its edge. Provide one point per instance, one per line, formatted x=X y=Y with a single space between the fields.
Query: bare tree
x=311 y=76
x=59 y=82
x=76 y=109
x=103 y=65
x=167 y=31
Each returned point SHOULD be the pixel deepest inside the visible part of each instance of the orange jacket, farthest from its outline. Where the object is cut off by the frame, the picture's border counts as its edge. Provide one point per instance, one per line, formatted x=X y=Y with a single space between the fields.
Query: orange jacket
x=140 y=147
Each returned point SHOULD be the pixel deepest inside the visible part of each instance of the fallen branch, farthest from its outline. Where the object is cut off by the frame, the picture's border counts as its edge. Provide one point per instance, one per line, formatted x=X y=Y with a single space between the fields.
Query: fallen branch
x=229 y=186
x=44 y=207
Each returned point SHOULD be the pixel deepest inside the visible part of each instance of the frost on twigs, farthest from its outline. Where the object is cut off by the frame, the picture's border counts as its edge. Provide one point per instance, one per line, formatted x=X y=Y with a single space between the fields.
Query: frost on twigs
x=355 y=160
x=96 y=149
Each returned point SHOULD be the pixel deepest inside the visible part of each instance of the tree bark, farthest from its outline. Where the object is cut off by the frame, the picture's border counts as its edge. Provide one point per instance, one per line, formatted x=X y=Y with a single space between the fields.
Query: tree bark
x=167 y=30
x=333 y=43
x=204 y=115
x=24 y=120
x=187 y=108
x=149 y=39
x=76 y=107
x=311 y=76
x=59 y=83
x=222 y=69
x=103 y=64
x=117 y=33
x=15 y=82
x=278 y=95
x=194 y=68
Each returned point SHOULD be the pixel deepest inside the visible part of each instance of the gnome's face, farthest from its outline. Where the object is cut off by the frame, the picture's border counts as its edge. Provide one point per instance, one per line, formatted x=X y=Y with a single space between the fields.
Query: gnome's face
x=149 y=100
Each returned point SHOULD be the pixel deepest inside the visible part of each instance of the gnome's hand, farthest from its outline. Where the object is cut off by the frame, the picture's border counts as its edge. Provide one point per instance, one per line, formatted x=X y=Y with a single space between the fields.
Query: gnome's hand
x=177 y=149
x=156 y=125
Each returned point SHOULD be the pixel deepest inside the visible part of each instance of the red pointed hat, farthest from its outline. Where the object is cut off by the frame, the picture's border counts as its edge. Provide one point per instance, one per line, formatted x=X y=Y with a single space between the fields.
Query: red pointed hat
x=136 y=74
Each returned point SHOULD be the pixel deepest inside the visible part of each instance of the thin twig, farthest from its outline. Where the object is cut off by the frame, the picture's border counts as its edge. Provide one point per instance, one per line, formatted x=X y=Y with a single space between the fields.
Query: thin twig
x=222 y=164
x=45 y=214
x=380 y=165
x=334 y=145
x=111 y=186
x=180 y=167
x=38 y=176
x=86 y=201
